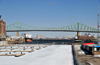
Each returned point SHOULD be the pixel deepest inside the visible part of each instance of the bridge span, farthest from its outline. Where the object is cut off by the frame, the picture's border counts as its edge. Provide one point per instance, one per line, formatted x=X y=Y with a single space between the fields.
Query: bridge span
x=78 y=27
x=52 y=30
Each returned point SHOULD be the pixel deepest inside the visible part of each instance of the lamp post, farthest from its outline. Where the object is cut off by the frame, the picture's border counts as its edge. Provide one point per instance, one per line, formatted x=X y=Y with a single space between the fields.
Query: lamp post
x=98 y=26
x=0 y=16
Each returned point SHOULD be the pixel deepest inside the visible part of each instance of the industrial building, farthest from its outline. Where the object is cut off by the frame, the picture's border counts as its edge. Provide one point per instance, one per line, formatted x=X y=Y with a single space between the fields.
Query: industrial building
x=2 y=30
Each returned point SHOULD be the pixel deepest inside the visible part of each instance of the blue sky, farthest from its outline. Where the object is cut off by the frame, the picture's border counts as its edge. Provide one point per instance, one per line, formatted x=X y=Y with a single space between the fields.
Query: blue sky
x=50 y=13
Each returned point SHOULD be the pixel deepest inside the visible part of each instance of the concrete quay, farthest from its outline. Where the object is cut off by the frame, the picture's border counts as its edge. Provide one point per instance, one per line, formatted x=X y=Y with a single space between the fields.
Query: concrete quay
x=82 y=57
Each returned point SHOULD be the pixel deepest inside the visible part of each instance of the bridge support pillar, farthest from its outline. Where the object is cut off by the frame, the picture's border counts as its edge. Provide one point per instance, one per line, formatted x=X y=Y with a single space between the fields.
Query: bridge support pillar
x=78 y=33
x=17 y=34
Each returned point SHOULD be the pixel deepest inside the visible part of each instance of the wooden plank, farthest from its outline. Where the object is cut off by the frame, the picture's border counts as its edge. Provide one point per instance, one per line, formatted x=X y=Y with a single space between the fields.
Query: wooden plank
x=17 y=55
x=3 y=54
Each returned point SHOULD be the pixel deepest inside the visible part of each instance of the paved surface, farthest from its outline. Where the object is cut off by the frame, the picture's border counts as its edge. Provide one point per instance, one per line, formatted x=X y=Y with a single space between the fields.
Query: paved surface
x=87 y=58
x=52 y=55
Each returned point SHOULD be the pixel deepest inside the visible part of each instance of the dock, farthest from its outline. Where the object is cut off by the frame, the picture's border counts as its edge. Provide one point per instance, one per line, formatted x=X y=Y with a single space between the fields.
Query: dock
x=50 y=55
x=20 y=49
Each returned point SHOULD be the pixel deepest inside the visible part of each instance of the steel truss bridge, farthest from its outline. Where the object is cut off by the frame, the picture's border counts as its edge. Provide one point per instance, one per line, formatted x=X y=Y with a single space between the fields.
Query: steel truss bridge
x=78 y=27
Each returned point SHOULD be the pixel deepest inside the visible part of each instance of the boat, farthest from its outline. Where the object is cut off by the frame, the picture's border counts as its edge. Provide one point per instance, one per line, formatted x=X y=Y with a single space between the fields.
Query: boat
x=28 y=37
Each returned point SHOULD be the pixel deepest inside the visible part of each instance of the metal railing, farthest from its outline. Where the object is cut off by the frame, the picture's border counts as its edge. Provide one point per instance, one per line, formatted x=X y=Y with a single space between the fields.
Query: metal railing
x=77 y=61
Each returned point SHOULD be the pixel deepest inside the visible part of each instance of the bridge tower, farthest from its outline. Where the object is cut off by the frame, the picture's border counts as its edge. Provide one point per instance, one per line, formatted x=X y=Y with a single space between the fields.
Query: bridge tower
x=78 y=33
x=17 y=34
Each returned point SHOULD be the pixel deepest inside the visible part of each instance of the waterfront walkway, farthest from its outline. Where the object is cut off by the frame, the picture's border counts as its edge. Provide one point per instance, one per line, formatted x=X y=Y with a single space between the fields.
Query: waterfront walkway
x=51 y=55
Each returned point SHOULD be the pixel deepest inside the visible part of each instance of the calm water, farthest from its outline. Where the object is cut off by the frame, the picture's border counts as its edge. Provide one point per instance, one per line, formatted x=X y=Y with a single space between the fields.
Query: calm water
x=42 y=41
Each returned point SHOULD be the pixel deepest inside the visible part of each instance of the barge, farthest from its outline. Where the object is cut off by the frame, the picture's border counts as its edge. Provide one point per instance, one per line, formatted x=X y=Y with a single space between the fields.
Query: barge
x=91 y=48
x=86 y=53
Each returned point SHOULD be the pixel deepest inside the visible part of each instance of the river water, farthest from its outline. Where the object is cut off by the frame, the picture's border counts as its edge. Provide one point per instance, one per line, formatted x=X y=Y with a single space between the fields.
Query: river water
x=41 y=41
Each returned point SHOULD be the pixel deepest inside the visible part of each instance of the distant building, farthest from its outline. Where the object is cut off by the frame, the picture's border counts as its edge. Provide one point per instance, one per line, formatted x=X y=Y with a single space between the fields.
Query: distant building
x=38 y=36
x=88 y=34
x=95 y=36
x=2 y=30
x=64 y=38
x=68 y=37
x=12 y=38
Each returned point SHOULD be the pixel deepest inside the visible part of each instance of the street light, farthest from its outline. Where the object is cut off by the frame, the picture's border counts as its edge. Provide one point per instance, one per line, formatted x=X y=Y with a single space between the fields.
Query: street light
x=0 y=16
x=98 y=26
